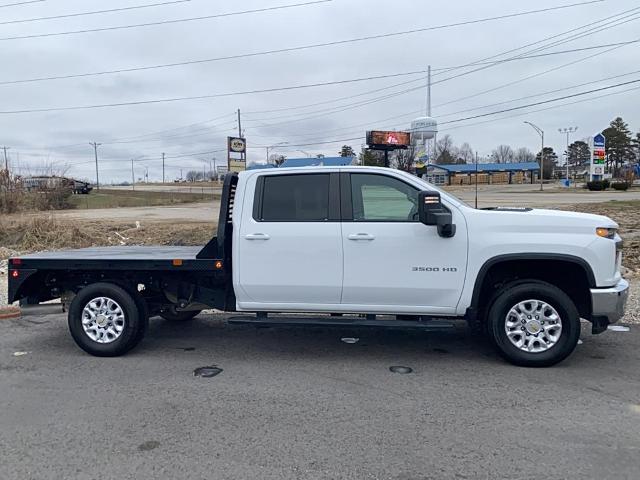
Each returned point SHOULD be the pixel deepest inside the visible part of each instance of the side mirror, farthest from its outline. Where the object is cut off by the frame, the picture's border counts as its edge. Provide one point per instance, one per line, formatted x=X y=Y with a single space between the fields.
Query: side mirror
x=431 y=212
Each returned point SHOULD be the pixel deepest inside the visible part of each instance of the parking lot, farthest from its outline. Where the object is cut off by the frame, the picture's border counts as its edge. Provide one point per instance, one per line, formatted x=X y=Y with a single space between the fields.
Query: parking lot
x=301 y=403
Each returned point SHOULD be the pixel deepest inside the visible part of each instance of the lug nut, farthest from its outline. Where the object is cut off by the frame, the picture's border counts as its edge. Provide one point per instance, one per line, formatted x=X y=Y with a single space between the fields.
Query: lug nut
x=522 y=328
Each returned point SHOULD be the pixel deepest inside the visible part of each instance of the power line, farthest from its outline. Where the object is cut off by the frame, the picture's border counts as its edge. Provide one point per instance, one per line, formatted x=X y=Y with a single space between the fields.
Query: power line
x=20 y=3
x=95 y=12
x=216 y=95
x=624 y=14
x=275 y=51
x=337 y=109
x=166 y=22
x=533 y=75
x=539 y=94
x=541 y=109
x=542 y=102
x=522 y=55
x=485 y=114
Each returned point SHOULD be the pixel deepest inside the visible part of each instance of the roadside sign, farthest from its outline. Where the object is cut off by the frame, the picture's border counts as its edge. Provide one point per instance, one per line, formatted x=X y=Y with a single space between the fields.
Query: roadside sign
x=598 y=155
x=236 y=154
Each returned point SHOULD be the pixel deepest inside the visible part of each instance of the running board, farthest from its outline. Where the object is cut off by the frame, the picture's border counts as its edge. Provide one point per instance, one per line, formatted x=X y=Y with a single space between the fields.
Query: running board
x=285 y=321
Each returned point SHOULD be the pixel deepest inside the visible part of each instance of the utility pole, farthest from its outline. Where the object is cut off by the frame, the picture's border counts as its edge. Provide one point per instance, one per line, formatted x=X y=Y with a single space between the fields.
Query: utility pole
x=95 y=152
x=429 y=91
x=242 y=155
x=567 y=130
x=133 y=178
x=162 y=167
x=6 y=159
x=215 y=168
x=476 y=179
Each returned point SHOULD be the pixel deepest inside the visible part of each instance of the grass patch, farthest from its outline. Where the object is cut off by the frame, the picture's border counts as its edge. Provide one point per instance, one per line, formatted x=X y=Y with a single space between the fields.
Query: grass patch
x=131 y=198
x=32 y=234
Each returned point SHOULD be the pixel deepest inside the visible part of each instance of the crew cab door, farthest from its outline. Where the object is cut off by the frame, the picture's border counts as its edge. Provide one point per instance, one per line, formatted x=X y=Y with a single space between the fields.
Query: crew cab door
x=392 y=262
x=289 y=248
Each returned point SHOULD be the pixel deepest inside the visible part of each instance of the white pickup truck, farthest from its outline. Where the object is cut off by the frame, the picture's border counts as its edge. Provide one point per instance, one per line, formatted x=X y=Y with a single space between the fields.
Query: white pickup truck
x=376 y=244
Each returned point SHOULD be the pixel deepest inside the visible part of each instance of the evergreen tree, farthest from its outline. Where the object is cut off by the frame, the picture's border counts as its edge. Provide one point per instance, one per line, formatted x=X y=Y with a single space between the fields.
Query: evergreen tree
x=618 y=145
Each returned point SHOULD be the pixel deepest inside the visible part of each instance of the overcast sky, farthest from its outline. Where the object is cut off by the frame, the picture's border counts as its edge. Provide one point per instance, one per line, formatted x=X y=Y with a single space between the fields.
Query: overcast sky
x=62 y=137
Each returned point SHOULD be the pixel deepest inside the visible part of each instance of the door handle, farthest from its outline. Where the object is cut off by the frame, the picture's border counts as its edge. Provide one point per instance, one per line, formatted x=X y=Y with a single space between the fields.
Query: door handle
x=257 y=236
x=360 y=236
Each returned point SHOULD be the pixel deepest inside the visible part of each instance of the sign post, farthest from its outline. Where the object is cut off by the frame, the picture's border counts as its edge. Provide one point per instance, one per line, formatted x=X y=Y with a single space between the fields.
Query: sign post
x=236 y=146
x=598 y=156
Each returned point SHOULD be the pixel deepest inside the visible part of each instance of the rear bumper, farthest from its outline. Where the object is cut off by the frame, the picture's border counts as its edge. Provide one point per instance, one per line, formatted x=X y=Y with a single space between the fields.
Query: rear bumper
x=609 y=303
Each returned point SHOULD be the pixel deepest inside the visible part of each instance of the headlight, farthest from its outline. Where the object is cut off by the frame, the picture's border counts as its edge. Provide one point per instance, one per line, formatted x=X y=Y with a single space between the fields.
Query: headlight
x=606 y=232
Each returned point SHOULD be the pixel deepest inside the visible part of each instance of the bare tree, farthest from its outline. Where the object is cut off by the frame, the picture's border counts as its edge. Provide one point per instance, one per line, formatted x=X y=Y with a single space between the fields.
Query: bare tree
x=523 y=154
x=503 y=154
x=465 y=153
x=277 y=159
x=405 y=159
x=445 y=150
x=194 y=175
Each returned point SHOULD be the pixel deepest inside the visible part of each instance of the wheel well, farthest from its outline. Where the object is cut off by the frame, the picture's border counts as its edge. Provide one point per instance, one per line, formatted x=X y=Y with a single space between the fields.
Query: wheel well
x=570 y=276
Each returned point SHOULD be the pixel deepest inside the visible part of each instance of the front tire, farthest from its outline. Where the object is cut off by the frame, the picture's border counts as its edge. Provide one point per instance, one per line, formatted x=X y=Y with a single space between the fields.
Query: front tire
x=533 y=324
x=105 y=320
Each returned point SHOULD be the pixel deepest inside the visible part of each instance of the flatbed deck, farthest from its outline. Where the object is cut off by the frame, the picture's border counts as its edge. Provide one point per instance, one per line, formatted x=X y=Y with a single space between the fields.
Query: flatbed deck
x=119 y=253
x=121 y=258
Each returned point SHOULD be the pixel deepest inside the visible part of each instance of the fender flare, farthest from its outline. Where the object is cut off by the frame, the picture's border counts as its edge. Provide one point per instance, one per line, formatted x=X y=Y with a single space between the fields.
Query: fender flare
x=486 y=266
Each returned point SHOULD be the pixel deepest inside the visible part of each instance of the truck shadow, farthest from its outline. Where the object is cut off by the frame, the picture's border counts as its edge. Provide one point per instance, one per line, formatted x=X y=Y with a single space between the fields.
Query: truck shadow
x=267 y=342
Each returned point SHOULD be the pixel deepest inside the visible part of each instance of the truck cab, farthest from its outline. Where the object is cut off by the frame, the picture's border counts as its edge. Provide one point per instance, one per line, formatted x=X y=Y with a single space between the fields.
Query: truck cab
x=364 y=241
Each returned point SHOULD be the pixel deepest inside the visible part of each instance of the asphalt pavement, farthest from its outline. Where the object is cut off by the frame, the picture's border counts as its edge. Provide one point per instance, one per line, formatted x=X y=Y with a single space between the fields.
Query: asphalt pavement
x=300 y=403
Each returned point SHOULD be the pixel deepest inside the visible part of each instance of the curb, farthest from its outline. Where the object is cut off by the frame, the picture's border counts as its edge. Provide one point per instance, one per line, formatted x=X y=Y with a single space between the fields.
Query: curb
x=9 y=313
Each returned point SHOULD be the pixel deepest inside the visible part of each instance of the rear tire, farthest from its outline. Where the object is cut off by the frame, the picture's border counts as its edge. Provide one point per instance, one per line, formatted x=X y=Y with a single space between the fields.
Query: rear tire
x=173 y=315
x=106 y=321
x=533 y=324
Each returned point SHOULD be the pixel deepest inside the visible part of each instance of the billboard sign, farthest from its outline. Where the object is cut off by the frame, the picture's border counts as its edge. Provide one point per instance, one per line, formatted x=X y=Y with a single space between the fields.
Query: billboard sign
x=388 y=139
x=598 y=155
x=237 y=164
x=236 y=154
x=237 y=144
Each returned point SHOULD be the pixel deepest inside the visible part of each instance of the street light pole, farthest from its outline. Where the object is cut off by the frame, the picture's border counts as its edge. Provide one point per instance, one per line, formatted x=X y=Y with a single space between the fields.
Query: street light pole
x=567 y=130
x=541 y=133
x=274 y=145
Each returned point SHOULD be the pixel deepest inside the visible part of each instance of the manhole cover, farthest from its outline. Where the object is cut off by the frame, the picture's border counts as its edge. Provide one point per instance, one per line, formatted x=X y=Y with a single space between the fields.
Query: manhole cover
x=399 y=369
x=618 y=328
x=206 y=372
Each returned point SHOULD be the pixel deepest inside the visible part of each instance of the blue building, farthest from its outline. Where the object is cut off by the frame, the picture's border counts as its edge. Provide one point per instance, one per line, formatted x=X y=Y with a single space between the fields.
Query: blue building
x=309 y=162
x=489 y=173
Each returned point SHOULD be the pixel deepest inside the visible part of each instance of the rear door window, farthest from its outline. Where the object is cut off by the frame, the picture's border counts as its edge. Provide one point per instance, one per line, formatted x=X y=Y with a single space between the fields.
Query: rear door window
x=294 y=198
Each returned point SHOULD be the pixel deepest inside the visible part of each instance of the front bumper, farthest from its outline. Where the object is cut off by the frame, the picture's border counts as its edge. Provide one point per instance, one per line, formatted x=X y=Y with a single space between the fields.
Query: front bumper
x=608 y=303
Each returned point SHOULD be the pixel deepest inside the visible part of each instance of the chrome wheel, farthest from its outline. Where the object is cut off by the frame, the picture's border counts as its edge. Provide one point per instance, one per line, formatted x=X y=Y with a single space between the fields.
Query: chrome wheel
x=103 y=320
x=533 y=326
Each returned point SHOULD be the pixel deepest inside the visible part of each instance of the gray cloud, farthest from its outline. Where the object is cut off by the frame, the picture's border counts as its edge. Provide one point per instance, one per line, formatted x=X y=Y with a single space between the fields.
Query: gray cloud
x=37 y=137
